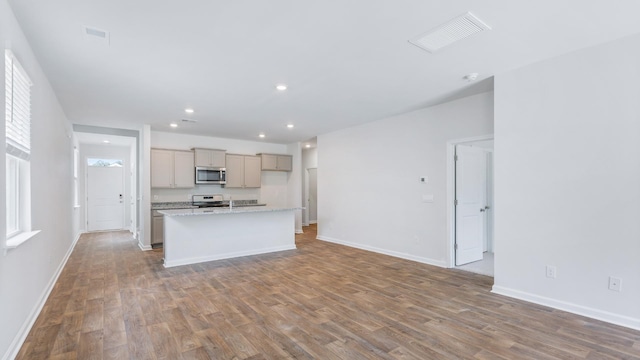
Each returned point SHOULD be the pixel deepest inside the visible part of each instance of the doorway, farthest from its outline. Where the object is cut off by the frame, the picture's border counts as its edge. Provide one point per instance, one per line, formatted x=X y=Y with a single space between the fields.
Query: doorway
x=105 y=194
x=471 y=180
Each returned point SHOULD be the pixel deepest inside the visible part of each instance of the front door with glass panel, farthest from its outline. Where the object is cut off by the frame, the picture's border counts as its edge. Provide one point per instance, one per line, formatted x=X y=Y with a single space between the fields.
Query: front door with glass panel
x=105 y=194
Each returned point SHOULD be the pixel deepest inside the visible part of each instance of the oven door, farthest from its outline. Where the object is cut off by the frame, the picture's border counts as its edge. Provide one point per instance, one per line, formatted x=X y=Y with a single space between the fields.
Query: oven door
x=210 y=175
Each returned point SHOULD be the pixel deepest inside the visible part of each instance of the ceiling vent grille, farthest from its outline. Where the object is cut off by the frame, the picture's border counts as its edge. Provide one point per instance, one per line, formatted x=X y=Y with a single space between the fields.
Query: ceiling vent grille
x=450 y=32
x=189 y=121
x=96 y=34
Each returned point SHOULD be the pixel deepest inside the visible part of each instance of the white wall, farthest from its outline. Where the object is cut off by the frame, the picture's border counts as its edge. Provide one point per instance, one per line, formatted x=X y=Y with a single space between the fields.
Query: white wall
x=294 y=183
x=28 y=272
x=369 y=194
x=107 y=152
x=567 y=181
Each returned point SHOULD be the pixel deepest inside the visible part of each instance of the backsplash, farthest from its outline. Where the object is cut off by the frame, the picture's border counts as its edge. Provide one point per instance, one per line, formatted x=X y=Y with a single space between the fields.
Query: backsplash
x=179 y=195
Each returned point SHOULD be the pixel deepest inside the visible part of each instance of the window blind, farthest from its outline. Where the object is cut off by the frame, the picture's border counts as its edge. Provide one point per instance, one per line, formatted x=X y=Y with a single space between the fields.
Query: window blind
x=18 y=108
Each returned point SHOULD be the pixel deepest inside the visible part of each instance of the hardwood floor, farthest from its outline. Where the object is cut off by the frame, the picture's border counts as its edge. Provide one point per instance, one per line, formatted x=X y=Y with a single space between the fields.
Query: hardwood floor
x=322 y=301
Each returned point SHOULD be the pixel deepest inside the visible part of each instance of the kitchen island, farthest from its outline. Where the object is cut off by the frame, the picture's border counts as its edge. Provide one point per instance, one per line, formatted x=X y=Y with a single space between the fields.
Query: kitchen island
x=199 y=235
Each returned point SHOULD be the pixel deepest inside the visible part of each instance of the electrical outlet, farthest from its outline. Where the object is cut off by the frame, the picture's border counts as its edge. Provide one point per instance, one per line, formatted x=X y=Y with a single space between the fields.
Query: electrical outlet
x=615 y=284
x=155 y=197
x=551 y=271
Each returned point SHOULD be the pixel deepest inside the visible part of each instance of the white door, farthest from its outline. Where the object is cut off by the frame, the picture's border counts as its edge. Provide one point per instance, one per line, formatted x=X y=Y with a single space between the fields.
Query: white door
x=313 y=196
x=105 y=198
x=471 y=177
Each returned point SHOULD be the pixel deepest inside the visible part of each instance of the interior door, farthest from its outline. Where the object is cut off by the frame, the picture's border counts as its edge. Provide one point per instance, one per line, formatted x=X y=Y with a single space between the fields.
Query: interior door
x=313 y=196
x=105 y=198
x=471 y=177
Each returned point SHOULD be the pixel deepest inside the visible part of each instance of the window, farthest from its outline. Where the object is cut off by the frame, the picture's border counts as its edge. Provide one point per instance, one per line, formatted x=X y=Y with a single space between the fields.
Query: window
x=13 y=198
x=18 y=150
x=104 y=162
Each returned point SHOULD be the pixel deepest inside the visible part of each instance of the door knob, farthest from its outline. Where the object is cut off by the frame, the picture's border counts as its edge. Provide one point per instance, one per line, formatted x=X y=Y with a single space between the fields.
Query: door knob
x=481 y=210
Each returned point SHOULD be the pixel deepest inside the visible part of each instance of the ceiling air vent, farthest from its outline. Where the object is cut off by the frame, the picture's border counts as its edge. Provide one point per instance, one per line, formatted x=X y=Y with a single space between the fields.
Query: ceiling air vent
x=96 y=34
x=189 y=121
x=450 y=32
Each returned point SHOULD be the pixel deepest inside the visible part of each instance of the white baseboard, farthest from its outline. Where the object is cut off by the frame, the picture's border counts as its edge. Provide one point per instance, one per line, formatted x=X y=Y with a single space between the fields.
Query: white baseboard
x=231 y=255
x=397 y=254
x=18 y=341
x=144 y=247
x=313 y=222
x=609 y=317
x=299 y=231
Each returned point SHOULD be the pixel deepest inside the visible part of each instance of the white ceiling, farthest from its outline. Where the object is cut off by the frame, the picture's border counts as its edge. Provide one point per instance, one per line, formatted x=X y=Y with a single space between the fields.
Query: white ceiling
x=346 y=62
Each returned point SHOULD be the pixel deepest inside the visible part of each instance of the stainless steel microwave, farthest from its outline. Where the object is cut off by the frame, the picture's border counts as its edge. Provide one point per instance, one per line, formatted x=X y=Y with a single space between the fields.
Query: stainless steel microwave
x=211 y=176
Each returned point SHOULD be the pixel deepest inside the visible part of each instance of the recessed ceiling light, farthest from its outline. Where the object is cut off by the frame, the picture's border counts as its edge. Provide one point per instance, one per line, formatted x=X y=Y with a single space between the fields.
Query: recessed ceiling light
x=173 y=125
x=281 y=87
x=308 y=145
x=261 y=135
x=106 y=141
x=188 y=111
x=290 y=126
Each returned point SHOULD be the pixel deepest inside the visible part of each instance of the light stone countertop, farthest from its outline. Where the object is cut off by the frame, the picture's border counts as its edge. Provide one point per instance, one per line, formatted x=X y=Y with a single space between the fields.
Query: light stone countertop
x=189 y=205
x=222 y=211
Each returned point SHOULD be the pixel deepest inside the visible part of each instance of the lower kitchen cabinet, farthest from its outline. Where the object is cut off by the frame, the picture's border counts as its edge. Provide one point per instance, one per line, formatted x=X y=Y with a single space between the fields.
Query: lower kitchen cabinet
x=157 y=229
x=243 y=171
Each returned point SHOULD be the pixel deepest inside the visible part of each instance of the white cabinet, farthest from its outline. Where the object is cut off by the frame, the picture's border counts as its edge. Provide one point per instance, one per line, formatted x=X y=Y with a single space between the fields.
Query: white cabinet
x=243 y=171
x=276 y=162
x=172 y=169
x=210 y=158
x=157 y=228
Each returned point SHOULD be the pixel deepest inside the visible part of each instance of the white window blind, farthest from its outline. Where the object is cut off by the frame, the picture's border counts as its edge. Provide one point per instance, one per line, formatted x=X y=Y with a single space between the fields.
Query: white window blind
x=18 y=108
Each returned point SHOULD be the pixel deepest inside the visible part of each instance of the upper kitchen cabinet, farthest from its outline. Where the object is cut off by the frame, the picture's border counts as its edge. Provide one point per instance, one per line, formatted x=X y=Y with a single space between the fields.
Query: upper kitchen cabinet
x=172 y=169
x=243 y=171
x=276 y=162
x=210 y=158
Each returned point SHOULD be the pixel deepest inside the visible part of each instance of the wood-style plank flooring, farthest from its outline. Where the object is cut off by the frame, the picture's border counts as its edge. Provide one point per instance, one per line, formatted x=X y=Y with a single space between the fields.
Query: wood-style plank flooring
x=322 y=301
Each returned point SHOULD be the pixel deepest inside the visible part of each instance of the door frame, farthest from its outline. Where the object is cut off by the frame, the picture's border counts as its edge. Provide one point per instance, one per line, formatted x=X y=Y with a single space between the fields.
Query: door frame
x=125 y=164
x=305 y=218
x=451 y=193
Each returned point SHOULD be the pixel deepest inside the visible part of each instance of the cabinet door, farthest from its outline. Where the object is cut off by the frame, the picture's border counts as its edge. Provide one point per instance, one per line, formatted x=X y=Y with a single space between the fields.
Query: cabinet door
x=285 y=162
x=252 y=171
x=184 y=169
x=269 y=162
x=218 y=158
x=203 y=157
x=157 y=230
x=235 y=171
x=161 y=168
